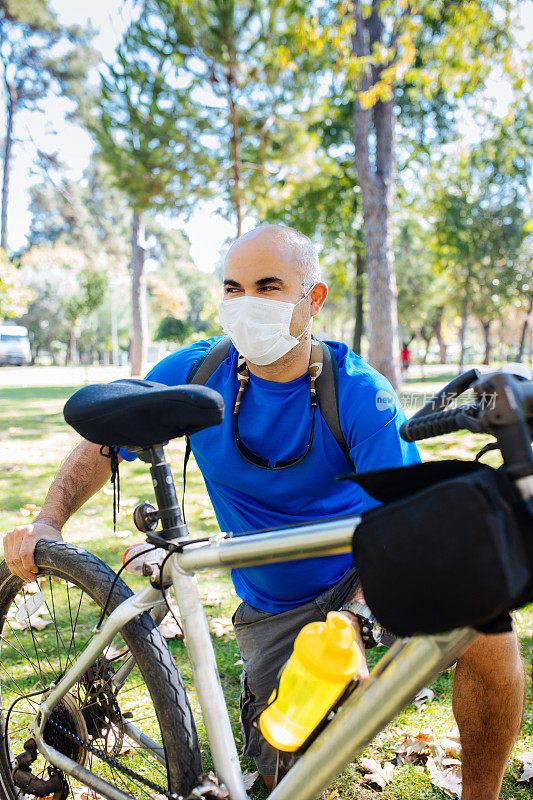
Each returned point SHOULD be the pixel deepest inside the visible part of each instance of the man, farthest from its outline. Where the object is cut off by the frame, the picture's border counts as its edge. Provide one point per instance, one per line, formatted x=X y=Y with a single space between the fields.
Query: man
x=272 y=290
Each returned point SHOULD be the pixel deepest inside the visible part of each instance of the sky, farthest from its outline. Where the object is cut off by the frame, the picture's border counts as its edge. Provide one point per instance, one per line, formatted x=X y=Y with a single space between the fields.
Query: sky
x=207 y=230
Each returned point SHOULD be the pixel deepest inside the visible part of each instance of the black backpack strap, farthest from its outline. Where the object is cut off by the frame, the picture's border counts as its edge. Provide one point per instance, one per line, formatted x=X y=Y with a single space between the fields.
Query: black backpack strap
x=209 y=361
x=327 y=389
x=200 y=373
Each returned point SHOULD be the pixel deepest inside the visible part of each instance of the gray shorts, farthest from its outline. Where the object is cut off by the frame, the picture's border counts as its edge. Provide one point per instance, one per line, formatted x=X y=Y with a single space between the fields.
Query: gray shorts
x=265 y=641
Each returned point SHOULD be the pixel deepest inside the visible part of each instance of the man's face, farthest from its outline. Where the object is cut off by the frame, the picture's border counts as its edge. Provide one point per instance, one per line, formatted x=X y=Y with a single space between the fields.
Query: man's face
x=263 y=265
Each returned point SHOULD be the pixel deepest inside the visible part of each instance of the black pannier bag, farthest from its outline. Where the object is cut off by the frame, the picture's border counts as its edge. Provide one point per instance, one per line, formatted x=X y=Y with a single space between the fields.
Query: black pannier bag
x=452 y=546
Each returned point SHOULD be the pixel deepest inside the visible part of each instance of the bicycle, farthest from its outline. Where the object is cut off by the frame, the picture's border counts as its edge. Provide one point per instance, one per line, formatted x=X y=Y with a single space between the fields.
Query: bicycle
x=67 y=718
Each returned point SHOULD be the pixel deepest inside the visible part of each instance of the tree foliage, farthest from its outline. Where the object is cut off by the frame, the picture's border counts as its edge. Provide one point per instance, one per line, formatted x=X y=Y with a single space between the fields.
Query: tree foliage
x=15 y=296
x=39 y=58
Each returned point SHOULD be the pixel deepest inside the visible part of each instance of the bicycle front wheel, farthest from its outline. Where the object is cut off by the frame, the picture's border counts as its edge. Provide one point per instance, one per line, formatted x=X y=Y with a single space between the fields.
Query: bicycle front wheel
x=137 y=732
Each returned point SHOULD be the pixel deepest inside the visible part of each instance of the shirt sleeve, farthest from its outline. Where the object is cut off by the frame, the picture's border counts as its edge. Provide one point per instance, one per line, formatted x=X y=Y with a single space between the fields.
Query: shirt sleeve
x=174 y=371
x=371 y=417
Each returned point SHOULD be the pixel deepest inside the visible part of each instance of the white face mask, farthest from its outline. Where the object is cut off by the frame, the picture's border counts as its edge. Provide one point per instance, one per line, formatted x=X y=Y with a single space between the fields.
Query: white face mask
x=259 y=327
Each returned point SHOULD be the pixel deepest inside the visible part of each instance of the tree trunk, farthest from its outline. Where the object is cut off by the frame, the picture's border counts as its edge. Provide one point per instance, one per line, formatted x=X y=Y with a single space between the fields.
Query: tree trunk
x=138 y=297
x=114 y=322
x=464 y=320
x=486 y=326
x=437 y=332
x=383 y=320
x=8 y=144
x=73 y=345
x=359 y=297
x=235 y=150
x=524 y=331
x=427 y=342
x=376 y=182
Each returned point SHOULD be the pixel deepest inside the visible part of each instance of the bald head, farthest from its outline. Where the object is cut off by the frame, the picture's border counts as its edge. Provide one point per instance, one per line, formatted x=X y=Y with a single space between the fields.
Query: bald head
x=275 y=244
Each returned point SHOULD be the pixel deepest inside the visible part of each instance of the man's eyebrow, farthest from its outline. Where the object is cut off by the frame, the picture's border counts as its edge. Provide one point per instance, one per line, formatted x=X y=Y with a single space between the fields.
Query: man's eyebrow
x=265 y=281
x=229 y=282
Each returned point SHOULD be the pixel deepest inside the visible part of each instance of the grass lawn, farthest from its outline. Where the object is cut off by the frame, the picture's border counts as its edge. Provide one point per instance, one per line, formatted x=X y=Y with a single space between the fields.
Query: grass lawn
x=34 y=440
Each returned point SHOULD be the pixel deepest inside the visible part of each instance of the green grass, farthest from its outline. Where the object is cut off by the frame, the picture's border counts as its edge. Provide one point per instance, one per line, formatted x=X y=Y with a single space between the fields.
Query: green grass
x=34 y=440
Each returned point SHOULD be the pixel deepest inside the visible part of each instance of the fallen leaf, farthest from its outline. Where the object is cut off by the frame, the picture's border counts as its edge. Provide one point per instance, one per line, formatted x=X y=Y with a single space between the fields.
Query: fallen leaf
x=449 y=779
x=34 y=586
x=423 y=697
x=36 y=622
x=376 y=774
x=333 y=794
x=170 y=629
x=221 y=626
x=451 y=747
x=417 y=748
x=248 y=779
x=210 y=598
x=29 y=510
x=115 y=652
x=82 y=793
x=527 y=762
x=128 y=746
x=124 y=534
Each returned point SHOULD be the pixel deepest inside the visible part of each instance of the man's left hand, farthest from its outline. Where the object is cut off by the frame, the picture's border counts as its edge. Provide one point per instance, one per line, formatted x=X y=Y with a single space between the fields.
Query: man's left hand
x=363 y=673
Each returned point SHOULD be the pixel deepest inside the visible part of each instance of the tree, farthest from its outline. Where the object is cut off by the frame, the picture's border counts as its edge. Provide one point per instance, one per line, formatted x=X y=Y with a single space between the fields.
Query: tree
x=179 y=291
x=389 y=40
x=90 y=215
x=480 y=223
x=142 y=140
x=423 y=293
x=320 y=197
x=65 y=286
x=92 y=289
x=14 y=295
x=171 y=329
x=38 y=57
x=398 y=68
x=244 y=85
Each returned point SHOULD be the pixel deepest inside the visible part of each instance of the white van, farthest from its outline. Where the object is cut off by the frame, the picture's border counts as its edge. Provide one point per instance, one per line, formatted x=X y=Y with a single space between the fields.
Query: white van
x=14 y=345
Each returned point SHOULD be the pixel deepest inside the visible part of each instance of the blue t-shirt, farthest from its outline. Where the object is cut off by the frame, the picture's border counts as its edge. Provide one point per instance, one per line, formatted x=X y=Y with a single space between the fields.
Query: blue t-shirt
x=275 y=422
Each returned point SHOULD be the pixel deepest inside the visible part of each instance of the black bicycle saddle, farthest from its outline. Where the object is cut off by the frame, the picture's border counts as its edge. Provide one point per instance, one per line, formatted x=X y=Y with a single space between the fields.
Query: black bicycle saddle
x=137 y=414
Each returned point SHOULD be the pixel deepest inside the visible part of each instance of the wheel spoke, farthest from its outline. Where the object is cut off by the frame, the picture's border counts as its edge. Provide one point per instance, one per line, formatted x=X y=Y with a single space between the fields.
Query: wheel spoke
x=94 y=711
x=22 y=646
x=20 y=692
x=73 y=626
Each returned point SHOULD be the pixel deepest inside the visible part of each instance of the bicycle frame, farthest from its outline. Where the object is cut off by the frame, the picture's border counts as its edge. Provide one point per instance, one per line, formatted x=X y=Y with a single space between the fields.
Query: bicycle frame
x=399 y=675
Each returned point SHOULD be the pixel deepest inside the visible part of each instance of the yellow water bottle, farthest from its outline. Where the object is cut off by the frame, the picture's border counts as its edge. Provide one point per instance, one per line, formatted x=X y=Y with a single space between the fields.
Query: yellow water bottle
x=325 y=659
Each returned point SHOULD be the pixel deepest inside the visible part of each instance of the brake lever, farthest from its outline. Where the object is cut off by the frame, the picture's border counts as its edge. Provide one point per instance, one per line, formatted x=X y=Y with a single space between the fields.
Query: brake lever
x=502 y=415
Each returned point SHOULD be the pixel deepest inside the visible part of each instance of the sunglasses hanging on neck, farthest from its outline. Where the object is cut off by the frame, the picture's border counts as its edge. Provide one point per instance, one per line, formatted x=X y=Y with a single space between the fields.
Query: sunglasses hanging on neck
x=243 y=375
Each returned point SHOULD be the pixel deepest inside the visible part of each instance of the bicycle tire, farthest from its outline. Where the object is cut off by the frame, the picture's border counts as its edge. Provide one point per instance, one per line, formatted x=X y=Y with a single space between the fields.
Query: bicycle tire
x=86 y=573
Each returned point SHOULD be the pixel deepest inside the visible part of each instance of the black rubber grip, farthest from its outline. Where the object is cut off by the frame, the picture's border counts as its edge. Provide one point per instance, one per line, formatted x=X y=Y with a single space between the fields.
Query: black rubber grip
x=448 y=393
x=434 y=424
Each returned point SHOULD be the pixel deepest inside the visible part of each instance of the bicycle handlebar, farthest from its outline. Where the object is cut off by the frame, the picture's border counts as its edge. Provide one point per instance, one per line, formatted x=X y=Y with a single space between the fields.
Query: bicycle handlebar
x=441 y=422
x=448 y=393
x=503 y=409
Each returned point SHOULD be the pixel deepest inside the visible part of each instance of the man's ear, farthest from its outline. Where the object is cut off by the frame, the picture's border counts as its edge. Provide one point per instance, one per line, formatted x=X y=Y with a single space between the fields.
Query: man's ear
x=319 y=292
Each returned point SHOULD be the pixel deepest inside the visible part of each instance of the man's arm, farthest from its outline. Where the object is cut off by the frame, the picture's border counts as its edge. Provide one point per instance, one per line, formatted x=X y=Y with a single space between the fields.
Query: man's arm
x=83 y=473
x=357 y=596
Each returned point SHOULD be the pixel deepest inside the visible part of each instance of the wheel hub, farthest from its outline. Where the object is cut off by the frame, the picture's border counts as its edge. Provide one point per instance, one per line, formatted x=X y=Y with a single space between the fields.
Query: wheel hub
x=100 y=709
